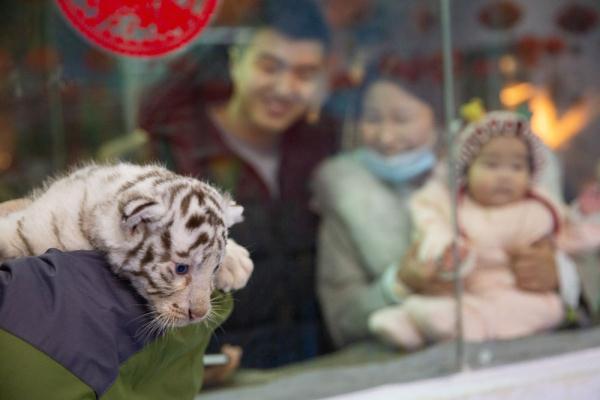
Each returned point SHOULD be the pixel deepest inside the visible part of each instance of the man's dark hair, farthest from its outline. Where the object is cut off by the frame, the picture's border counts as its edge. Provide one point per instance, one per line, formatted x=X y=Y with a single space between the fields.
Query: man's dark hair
x=296 y=19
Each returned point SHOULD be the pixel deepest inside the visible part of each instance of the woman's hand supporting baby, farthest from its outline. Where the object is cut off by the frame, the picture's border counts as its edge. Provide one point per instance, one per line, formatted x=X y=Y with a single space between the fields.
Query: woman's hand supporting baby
x=535 y=267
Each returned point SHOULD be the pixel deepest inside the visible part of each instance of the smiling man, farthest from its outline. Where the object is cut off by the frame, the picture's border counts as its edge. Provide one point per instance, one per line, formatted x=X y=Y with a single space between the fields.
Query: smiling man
x=262 y=144
x=276 y=78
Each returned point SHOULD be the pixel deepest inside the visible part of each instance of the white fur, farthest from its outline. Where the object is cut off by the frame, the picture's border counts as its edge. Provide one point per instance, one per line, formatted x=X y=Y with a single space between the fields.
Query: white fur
x=88 y=209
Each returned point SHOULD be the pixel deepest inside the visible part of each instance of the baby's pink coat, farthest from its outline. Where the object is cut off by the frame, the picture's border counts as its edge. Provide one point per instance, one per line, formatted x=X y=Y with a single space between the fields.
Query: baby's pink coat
x=493 y=306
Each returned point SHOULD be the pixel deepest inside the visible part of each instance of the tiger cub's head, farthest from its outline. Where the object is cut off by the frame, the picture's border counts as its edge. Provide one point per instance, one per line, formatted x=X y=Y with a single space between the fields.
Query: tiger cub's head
x=177 y=241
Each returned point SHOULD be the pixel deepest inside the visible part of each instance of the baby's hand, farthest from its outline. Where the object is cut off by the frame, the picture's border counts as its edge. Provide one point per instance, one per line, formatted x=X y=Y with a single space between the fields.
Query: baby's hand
x=447 y=264
x=426 y=277
x=236 y=268
x=589 y=199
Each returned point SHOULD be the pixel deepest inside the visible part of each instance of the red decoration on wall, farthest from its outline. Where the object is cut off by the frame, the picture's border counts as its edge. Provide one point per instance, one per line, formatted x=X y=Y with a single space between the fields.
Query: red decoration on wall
x=577 y=18
x=139 y=28
x=500 y=15
x=413 y=69
x=531 y=49
x=555 y=45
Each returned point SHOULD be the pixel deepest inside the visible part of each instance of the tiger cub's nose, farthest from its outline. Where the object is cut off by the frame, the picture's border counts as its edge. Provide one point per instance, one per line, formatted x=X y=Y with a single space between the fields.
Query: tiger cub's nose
x=196 y=313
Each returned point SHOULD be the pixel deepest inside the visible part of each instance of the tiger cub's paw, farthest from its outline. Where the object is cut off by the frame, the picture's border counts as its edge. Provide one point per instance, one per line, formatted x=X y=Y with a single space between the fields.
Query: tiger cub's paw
x=235 y=269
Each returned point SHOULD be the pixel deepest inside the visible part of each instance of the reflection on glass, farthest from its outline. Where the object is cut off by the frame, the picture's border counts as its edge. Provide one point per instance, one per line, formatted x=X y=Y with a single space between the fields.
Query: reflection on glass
x=542 y=66
x=380 y=83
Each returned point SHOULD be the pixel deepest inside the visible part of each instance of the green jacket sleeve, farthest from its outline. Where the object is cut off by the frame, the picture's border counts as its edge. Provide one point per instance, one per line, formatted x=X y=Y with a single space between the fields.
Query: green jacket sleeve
x=170 y=367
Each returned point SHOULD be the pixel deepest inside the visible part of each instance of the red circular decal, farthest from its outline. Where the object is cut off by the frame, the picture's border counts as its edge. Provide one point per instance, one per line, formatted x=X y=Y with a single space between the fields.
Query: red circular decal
x=140 y=28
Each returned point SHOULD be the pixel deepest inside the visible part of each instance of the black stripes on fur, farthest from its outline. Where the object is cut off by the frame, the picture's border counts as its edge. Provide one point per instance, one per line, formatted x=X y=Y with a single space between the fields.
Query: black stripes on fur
x=148 y=257
x=141 y=178
x=185 y=203
x=130 y=199
x=144 y=274
x=136 y=249
x=56 y=232
x=141 y=207
x=23 y=238
x=214 y=202
x=165 y=239
x=81 y=222
x=175 y=190
x=201 y=239
x=194 y=222
x=213 y=219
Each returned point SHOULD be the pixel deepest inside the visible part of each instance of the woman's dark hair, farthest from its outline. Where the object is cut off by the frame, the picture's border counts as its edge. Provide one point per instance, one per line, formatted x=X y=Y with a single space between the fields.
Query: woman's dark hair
x=374 y=73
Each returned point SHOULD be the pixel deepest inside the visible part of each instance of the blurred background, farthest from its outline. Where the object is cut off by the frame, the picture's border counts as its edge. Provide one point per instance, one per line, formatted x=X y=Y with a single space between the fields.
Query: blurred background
x=63 y=100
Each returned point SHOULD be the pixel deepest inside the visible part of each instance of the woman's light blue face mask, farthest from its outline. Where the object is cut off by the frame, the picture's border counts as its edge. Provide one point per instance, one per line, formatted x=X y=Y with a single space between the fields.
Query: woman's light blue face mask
x=399 y=168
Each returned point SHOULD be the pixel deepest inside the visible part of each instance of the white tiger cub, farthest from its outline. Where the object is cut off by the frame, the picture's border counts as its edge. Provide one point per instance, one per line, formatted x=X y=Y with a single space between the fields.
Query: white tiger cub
x=164 y=232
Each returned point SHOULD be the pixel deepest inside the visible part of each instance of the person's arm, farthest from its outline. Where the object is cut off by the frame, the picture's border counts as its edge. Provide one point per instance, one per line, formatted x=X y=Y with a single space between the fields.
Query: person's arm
x=541 y=268
x=11 y=206
x=348 y=293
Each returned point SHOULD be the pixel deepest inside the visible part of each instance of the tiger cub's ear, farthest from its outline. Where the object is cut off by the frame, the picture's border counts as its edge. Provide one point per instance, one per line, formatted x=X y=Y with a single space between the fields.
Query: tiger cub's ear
x=141 y=210
x=233 y=213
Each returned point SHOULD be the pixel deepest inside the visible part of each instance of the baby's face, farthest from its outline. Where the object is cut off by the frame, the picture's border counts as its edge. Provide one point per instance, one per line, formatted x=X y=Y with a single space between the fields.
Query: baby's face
x=393 y=120
x=500 y=174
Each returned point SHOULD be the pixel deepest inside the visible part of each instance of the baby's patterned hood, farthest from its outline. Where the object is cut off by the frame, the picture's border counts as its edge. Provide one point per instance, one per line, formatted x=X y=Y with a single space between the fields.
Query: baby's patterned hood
x=493 y=124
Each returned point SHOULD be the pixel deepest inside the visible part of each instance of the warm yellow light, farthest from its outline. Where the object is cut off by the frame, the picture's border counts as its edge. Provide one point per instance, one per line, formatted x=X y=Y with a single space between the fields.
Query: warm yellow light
x=513 y=95
x=552 y=128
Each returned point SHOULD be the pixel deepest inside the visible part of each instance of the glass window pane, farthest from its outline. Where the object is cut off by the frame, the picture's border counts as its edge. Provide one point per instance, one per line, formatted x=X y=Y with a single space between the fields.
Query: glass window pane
x=363 y=171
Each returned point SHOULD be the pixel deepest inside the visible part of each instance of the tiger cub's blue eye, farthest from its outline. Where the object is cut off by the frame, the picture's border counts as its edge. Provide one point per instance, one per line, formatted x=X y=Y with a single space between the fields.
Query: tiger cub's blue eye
x=182 y=269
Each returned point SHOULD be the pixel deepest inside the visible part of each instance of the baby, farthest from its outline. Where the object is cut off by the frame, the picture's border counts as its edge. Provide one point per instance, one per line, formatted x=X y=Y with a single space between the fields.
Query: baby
x=499 y=209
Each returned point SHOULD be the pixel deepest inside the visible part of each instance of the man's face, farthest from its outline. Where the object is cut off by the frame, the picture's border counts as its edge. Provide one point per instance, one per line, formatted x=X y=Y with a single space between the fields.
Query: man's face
x=275 y=79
